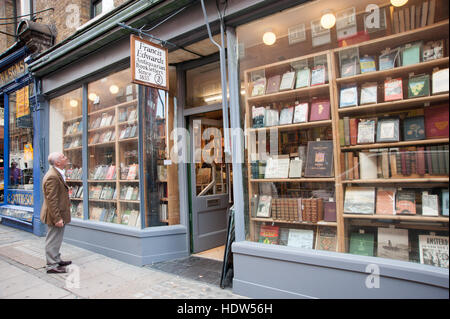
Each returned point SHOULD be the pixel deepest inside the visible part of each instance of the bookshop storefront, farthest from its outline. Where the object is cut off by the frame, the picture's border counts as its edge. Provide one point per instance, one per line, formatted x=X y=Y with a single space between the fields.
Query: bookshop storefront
x=344 y=170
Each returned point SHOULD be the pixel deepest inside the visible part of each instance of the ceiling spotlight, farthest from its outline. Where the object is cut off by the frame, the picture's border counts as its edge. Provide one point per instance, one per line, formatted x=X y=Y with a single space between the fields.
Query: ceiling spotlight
x=269 y=38
x=92 y=96
x=114 y=89
x=328 y=20
x=73 y=103
x=398 y=3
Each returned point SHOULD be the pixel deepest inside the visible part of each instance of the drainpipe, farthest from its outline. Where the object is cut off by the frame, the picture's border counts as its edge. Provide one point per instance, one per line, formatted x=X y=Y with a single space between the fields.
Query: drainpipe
x=223 y=74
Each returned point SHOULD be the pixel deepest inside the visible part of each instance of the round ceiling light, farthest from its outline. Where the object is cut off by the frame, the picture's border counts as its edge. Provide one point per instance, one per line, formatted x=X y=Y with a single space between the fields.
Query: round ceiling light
x=269 y=38
x=92 y=96
x=114 y=89
x=398 y=3
x=328 y=20
x=73 y=103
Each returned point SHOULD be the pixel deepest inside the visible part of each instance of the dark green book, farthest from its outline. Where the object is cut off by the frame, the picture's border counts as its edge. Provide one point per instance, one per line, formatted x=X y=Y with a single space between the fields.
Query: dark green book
x=419 y=85
x=414 y=128
x=435 y=160
x=441 y=159
x=361 y=244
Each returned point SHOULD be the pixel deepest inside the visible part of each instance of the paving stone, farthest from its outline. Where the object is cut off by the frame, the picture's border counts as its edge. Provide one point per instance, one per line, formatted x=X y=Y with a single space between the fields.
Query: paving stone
x=44 y=291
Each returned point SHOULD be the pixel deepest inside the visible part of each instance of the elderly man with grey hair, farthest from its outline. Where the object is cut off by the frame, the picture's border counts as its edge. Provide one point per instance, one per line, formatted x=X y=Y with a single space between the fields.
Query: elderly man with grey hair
x=55 y=211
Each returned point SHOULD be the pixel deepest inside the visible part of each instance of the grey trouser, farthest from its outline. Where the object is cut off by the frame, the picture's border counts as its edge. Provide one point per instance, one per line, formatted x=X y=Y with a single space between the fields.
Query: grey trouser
x=52 y=245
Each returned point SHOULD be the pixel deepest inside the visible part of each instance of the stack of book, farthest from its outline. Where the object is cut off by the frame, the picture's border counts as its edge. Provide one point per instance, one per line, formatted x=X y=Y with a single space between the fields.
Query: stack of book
x=74 y=128
x=76 y=191
x=312 y=210
x=104 y=172
x=129 y=193
x=102 y=192
x=285 y=209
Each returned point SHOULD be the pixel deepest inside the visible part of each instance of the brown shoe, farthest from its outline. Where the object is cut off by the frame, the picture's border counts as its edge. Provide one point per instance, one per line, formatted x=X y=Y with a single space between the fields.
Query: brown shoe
x=57 y=270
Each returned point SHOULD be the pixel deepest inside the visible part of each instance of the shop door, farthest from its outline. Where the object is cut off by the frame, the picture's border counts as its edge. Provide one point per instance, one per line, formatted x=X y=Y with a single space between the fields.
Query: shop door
x=209 y=183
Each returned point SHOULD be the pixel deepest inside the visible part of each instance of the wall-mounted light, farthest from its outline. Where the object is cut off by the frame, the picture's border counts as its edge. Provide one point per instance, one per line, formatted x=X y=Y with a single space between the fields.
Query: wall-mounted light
x=92 y=96
x=114 y=89
x=73 y=103
x=398 y=3
x=269 y=38
x=328 y=19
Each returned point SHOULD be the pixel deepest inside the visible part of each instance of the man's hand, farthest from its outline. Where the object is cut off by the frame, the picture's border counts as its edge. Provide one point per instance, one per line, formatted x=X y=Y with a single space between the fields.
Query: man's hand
x=60 y=223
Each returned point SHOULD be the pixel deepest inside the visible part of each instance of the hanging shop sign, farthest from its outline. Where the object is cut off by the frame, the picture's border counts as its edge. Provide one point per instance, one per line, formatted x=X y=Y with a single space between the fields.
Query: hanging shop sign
x=23 y=115
x=149 y=64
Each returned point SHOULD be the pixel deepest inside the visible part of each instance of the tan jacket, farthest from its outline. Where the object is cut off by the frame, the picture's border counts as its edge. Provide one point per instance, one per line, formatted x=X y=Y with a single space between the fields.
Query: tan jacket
x=56 y=204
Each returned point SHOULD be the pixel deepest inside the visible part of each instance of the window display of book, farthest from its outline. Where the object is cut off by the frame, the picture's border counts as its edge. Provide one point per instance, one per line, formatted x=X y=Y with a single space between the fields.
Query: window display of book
x=389 y=145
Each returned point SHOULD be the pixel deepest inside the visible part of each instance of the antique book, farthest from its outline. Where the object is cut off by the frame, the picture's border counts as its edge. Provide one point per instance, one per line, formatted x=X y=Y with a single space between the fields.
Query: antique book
x=433 y=250
x=269 y=234
x=445 y=202
x=271 y=117
x=326 y=239
x=319 y=159
x=420 y=160
x=411 y=53
x=288 y=81
x=367 y=64
x=359 y=200
x=318 y=75
x=369 y=93
x=348 y=96
x=286 y=115
x=301 y=113
x=414 y=128
x=362 y=244
x=303 y=78
x=353 y=131
x=295 y=168
x=301 y=238
x=433 y=50
x=366 y=131
x=346 y=120
x=436 y=121
x=132 y=172
x=424 y=16
x=388 y=59
x=258 y=114
x=405 y=203
x=440 y=81
x=388 y=129
x=273 y=84
x=264 y=206
x=329 y=211
x=385 y=204
x=419 y=85
x=367 y=165
x=430 y=204
x=393 y=243
x=277 y=167
x=320 y=110
x=393 y=89
x=341 y=132
x=259 y=87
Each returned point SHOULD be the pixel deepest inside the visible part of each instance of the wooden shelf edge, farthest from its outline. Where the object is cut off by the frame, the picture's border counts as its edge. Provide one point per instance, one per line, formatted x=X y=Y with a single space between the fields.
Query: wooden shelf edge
x=295 y=126
x=396 y=144
x=109 y=108
x=293 y=180
x=271 y=220
x=398 y=180
x=440 y=219
x=287 y=93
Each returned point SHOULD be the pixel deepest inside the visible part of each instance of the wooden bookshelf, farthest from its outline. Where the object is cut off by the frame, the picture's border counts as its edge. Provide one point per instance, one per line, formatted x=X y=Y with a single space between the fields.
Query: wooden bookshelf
x=311 y=91
x=294 y=180
x=405 y=180
x=293 y=127
x=418 y=218
x=282 y=221
x=395 y=144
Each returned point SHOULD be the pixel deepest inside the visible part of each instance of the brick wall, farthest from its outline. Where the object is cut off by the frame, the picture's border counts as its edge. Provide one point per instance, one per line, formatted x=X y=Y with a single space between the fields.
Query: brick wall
x=6 y=11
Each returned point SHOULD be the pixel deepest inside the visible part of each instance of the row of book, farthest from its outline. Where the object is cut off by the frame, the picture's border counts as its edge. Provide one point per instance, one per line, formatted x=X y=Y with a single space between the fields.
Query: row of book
x=130 y=217
x=76 y=209
x=102 y=192
x=317 y=161
x=74 y=128
x=103 y=137
x=291 y=113
x=103 y=172
x=393 y=201
x=396 y=162
x=129 y=172
x=417 y=86
x=293 y=209
x=325 y=237
x=417 y=15
x=352 y=63
x=129 y=193
x=127 y=115
x=74 y=173
x=128 y=132
x=76 y=191
x=397 y=243
x=72 y=142
x=104 y=120
x=300 y=78
x=434 y=124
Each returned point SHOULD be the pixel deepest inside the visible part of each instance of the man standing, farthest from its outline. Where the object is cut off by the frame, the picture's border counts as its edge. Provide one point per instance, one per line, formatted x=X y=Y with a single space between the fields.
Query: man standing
x=55 y=211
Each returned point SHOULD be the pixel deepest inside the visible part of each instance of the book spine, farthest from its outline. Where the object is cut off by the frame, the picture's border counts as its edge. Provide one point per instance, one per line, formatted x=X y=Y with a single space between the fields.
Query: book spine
x=429 y=160
x=432 y=11
x=341 y=133
x=393 y=164
x=320 y=209
x=446 y=154
x=356 y=167
x=342 y=162
x=441 y=159
x=413 y=16
x=353 y=131
x=412 y=157
x=385 y=164
x=407 y=19
x=350 y=165
x=401 y=18
x=434 y=160
x=347 y=130
x=420 y=160
x=424 y=14
x=403 y=162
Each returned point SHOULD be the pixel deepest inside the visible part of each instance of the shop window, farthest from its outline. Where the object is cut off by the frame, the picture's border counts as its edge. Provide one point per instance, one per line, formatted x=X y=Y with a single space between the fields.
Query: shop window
x=347 y=144
x=20 y=140
x=203 y=85
x=162 y=204
x=66 y=136
x=113 y=177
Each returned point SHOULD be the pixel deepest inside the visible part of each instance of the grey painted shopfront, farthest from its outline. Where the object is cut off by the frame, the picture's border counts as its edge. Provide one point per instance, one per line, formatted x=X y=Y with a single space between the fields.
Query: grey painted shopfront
x=260 y=270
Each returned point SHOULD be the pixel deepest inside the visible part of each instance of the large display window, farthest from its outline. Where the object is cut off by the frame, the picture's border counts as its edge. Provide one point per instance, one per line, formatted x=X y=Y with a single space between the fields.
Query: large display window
x=348 y=128
x=20 y=140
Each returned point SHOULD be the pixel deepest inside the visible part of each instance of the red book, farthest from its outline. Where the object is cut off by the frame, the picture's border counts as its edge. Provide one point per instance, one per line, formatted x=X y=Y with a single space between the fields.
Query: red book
x=420 y=160
x=393 y=89
x=436 y=121
x=354 y=131
x=320 y=110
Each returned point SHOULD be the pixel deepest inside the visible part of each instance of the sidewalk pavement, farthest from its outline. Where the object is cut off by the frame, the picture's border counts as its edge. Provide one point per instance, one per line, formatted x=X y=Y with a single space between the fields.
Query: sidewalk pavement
x=23 y=275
